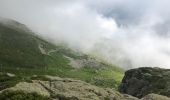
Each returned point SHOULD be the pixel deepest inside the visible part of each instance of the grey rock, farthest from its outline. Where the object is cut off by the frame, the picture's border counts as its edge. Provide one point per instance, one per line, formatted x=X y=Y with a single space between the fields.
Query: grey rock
x=143 y=81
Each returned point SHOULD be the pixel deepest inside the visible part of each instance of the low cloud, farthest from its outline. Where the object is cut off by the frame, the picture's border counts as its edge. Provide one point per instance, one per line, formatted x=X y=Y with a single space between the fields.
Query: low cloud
x=127 y=33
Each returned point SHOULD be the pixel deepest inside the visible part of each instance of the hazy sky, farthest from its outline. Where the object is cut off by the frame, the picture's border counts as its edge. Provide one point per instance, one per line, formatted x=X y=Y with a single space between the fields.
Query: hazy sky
x=128 y=33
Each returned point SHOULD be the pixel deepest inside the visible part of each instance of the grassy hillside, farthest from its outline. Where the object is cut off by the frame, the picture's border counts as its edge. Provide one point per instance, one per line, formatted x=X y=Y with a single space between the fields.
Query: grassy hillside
x=19 y=48
x=24 y=54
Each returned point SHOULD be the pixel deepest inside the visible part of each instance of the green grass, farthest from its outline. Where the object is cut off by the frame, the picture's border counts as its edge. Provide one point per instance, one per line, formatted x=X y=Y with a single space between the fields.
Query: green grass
x=6 y=81
x=19 y=48
x=57 y=65
x=103 y=78
x=20 y=95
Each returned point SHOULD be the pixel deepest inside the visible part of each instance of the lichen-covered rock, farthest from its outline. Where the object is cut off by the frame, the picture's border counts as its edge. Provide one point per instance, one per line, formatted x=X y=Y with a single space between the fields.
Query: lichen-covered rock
x=30 y=87
x=155 y=97
x=142 y=81
x=66 y=89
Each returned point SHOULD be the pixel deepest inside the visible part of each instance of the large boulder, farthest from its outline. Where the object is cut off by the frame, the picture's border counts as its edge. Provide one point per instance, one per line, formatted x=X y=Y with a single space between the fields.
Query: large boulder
x=143 y=81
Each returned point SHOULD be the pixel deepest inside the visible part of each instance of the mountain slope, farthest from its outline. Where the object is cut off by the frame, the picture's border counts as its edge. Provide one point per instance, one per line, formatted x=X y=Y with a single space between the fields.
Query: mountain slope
x=19 y=48
x=23 y=53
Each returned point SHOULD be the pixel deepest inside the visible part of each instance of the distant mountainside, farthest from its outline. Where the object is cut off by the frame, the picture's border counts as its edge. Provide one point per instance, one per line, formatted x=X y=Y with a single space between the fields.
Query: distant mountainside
x=19 y=48
x=24 y=53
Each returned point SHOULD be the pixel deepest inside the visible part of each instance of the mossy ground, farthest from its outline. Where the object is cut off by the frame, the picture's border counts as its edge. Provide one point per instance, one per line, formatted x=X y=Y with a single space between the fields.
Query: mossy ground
x=20 y=95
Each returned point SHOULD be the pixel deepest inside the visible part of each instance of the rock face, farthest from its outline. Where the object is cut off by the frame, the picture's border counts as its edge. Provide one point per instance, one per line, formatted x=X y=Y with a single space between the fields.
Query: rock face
x=142 y=81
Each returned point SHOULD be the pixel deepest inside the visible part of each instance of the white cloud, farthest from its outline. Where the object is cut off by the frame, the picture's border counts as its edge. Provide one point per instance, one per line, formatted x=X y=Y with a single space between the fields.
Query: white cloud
x=128 y=33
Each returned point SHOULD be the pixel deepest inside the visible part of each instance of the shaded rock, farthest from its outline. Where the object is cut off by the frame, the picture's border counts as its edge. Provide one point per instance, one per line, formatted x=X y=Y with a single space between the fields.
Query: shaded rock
x=142 y=81
x=128 y=97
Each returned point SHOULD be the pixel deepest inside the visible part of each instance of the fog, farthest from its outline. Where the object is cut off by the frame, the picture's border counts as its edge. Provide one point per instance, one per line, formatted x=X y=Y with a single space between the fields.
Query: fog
x=127 y=33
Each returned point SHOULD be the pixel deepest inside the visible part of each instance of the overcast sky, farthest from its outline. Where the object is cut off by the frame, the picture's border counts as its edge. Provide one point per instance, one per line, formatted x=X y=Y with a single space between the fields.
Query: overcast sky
x=128 y=33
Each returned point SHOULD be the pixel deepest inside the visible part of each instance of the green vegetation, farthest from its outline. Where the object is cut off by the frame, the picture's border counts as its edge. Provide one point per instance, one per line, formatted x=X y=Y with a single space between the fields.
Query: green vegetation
x=20 y=54
x=6 y=81
x=19 y=48
x=20 y=95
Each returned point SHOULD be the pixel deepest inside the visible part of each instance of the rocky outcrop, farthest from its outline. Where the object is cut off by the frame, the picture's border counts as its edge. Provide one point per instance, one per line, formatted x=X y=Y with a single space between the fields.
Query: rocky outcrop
x=30 y=88
x=142 y=81
x=67 y=89
x=155 y=97
x=55 y=88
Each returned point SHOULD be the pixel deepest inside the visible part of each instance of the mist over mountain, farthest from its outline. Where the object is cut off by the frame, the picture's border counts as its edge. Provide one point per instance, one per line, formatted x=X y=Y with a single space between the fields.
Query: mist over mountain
x=127 y=33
